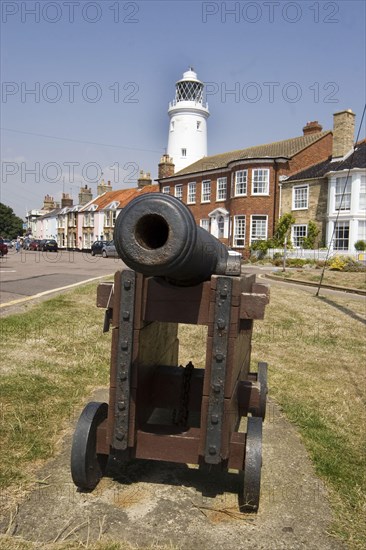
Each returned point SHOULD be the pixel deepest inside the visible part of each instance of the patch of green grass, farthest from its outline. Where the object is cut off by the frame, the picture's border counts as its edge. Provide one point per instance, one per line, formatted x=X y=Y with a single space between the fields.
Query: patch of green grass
x=53 y=356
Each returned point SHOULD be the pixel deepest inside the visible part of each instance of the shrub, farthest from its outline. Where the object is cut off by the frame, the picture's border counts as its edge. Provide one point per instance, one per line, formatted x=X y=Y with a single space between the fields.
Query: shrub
x=345 y=263
x=337 y=263
x=360 y=245
x=260 y=248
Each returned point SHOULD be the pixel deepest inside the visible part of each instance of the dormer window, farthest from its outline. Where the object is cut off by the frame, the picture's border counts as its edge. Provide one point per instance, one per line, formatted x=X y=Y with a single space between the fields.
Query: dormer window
x=113 y=205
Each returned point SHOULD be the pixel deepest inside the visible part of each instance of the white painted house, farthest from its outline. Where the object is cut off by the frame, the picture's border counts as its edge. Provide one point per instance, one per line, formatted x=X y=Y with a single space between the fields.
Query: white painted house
x=347 y=201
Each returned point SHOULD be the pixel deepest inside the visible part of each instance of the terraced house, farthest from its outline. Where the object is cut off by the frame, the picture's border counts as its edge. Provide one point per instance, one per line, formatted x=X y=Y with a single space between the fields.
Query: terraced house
x=331 y=193
x=235 y=195
x=96 y=220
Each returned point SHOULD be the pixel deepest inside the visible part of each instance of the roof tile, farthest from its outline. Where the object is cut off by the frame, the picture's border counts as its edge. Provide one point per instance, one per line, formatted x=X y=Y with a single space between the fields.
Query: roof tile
x=285 y=148
x=123 y=196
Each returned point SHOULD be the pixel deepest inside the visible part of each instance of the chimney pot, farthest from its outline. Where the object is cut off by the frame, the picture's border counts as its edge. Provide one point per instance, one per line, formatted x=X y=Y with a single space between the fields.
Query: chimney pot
x=312 y=127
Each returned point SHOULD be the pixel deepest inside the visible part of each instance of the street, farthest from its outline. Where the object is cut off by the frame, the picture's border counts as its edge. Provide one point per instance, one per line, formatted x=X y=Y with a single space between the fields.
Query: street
x=29 y=273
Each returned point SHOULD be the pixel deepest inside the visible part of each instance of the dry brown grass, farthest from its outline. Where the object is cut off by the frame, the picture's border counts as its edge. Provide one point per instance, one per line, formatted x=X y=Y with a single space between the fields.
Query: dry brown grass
x=316 y=353
x=53 y=356
x=315 y=348
x=17 y=543
x=337 y=278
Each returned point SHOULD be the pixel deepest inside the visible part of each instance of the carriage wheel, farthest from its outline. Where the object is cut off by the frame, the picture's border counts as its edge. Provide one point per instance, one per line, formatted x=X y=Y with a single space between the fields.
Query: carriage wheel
x=262 y=379
x=87 y=466
x=249 y=497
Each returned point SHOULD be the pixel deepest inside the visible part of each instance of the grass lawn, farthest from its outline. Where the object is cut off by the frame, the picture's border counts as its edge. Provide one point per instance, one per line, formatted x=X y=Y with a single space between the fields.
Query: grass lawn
x=315 y=348
x=316 y=351
x=54 y=355
x=338 y=278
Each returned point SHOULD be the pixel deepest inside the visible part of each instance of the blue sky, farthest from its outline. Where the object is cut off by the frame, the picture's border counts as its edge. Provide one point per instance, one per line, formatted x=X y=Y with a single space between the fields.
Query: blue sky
x=102 y=88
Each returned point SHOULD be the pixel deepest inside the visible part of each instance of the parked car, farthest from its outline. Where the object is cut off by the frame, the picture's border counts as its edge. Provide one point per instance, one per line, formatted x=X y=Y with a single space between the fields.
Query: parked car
x=48 y=245
x=3 y=248
x=96 y=247
x=109 y=250
x=34 y=245
x=9 y=243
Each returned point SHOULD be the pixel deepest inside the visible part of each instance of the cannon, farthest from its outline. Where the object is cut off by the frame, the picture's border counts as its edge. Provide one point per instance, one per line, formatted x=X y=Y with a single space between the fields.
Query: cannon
x=159 y=410
x=159 y=237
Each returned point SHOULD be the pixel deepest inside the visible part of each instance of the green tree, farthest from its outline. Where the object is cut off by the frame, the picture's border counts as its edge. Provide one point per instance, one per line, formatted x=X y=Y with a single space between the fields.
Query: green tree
x=282 y=230
x=10 y=225
x=313 y=232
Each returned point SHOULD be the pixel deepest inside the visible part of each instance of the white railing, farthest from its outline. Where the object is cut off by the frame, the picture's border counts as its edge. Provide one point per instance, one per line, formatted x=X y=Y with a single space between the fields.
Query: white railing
x=310 y=254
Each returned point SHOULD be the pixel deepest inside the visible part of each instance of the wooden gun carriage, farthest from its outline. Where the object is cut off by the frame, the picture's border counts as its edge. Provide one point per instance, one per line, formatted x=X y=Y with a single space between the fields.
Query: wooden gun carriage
x=159 y=410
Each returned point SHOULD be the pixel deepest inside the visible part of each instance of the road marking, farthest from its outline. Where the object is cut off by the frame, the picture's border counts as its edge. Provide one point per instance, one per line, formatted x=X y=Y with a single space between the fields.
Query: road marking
x=8 y=271
x=40 y=294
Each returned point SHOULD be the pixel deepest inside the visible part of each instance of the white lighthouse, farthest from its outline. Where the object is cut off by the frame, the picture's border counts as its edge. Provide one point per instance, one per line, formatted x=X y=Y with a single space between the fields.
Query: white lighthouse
x=188 y=114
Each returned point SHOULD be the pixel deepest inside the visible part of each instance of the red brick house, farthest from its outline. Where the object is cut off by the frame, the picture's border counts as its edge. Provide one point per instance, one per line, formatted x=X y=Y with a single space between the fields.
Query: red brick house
x=235 y=195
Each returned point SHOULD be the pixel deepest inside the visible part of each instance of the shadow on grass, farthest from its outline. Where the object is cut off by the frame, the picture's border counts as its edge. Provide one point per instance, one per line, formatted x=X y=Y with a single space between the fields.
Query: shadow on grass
x=344 y=309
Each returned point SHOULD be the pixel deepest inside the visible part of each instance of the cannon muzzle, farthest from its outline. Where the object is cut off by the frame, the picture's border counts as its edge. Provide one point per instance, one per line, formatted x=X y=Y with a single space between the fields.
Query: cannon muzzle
x=156 y=235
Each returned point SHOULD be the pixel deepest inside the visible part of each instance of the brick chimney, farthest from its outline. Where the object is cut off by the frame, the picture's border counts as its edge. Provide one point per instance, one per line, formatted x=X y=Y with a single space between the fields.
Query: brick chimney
x=85 y=195
x=166 y=167
x=48 y=203
x=104 y=187
x=312 y=127
x=144 y=179
x=66 y=200
x=343 y=132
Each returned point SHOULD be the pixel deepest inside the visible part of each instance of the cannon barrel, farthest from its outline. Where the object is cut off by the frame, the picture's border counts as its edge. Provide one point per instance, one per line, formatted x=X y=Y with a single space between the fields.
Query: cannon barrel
x=156 y=234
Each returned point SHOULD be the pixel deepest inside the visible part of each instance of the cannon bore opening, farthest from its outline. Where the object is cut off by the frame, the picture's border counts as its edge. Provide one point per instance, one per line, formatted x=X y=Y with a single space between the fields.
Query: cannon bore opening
x=152 y=231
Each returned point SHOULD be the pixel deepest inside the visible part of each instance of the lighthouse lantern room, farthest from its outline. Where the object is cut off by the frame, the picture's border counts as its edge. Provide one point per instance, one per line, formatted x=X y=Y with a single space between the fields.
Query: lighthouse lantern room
x=188 y=114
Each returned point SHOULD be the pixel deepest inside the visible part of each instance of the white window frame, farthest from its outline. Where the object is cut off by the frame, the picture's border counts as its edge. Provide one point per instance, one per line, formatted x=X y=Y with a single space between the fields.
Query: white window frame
x=362 y=196
x=264 y=218
x=183 y=152
x=205 y=224
x=244 y=175
x=301 y=199
x=178 y=191
x=265 y=171
x=221 y=188
x=191 y=192
x=166 y=189
x=293 y=238
x=239 y=236
x=343 y=223
x=203 y=192
x=361 y=230
x=346 y=203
